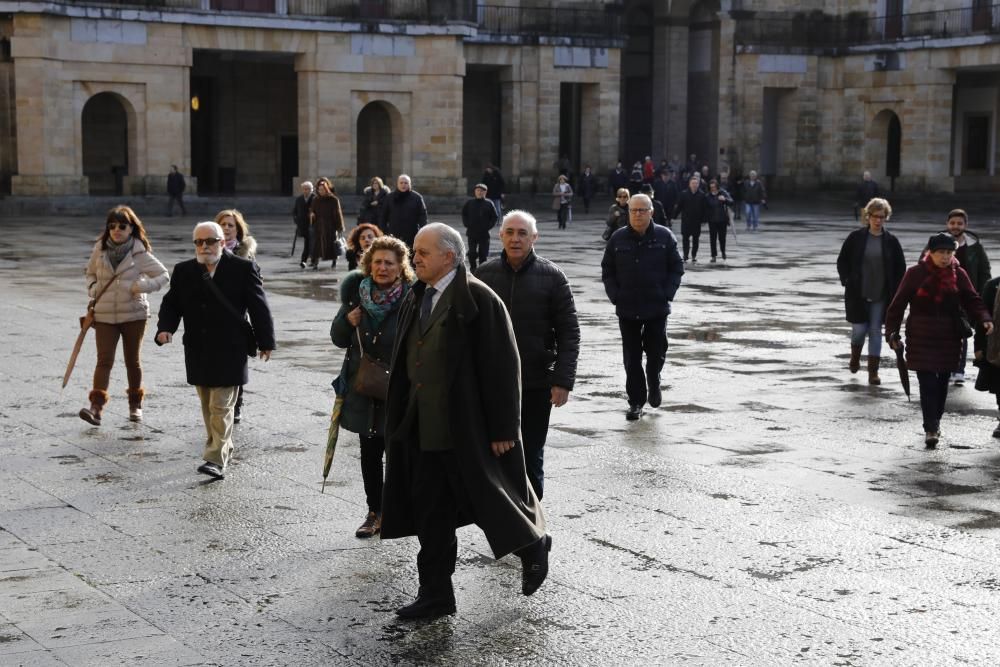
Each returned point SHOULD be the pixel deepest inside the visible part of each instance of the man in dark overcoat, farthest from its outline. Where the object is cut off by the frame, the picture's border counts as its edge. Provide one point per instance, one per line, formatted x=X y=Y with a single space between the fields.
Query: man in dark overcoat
x=300 y=215
x=479 y=215
x=404 y=212
x=453 y=455
x=175 y=190
x=543 y=312
x=693 y=211
x=216 y=335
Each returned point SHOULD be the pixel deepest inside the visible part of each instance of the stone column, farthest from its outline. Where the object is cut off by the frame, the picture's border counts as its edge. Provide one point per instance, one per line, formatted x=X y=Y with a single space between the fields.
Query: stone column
x=308 y=116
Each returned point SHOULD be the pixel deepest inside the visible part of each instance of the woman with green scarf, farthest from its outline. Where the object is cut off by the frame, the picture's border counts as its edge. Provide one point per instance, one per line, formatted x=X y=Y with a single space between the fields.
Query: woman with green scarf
x=369 y=308
x=123 y=257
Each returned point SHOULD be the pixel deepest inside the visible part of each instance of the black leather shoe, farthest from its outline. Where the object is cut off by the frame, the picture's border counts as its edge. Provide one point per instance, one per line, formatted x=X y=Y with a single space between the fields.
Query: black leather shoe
x=212 y=470
x=634 y=412
x=428 y=605
x=655 y=395
x=536 y=567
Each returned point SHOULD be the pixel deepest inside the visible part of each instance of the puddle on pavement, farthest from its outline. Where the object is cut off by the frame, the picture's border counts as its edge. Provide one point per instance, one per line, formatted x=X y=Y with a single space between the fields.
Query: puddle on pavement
x=306 y=291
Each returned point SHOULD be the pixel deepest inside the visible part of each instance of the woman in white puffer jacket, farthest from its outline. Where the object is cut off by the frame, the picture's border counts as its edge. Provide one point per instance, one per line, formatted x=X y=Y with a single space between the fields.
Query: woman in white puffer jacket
x=122 y=254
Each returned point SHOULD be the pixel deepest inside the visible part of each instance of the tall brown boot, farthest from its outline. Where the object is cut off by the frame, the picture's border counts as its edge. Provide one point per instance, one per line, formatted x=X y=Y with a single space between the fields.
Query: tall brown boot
x=98 y=399
x=873 y=364
x=855 y=363
x=135 y=397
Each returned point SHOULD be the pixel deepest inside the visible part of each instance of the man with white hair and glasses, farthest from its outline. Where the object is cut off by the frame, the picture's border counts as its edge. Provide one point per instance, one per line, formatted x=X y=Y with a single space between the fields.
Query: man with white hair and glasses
x=213 y=294
x=453 y=451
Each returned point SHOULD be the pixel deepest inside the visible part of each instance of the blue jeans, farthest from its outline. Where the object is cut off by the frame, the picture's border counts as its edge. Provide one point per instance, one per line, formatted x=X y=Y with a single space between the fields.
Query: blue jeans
x=872 y=328
x=753 y=215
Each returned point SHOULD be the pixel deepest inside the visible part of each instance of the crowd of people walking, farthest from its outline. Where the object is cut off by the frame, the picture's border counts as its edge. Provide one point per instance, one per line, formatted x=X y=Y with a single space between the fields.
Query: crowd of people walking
x=450 y=373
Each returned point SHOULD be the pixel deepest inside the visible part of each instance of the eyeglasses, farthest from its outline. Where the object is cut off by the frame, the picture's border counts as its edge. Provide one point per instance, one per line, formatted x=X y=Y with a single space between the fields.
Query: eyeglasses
x=122 y=226
x=639 y=210
x=208 y=242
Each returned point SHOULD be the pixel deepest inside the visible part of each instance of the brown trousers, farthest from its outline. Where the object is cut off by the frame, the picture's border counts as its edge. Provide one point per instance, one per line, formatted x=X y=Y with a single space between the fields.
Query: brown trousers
x=107 y=342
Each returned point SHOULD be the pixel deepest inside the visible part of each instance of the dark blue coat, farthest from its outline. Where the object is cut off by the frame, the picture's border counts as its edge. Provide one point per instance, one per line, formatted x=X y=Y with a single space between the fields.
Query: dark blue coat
x=641 y=274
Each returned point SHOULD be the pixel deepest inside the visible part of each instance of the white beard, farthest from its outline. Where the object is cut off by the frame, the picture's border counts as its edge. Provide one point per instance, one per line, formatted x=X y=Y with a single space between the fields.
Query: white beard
x=210 y=260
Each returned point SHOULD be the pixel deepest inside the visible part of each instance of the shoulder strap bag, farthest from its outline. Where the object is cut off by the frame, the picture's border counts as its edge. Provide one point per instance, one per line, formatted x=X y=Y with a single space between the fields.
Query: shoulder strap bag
x=87 y=320
x=249 y=335
x=372 y=378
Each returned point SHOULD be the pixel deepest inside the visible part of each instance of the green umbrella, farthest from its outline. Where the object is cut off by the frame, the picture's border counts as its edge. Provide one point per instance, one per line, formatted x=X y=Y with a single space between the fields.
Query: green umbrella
x=339 y=386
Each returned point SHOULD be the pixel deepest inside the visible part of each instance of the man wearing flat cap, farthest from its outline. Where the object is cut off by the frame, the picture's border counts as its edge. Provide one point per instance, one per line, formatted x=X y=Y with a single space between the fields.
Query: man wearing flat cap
x=479 y=216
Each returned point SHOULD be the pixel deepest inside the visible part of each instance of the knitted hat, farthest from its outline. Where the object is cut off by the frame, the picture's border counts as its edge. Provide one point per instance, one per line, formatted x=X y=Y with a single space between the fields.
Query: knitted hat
x=942 y=241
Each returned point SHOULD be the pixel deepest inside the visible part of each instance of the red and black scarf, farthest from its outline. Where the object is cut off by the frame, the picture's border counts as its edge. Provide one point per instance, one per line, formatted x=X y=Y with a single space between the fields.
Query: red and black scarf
x=940 y=282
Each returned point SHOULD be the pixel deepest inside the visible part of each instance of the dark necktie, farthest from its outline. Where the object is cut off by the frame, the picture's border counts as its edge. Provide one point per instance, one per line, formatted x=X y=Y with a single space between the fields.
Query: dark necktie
x=426 y=305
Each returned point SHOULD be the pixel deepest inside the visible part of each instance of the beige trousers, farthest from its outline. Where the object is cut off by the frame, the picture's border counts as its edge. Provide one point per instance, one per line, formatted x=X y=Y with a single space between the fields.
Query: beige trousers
x=217 y=404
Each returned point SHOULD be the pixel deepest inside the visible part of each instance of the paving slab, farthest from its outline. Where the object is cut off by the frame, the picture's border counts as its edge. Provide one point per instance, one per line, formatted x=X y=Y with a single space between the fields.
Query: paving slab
x=775 y=510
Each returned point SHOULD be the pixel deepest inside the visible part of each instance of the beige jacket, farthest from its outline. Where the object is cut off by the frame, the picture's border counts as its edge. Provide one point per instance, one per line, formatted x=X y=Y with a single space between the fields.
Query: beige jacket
x=119 y=303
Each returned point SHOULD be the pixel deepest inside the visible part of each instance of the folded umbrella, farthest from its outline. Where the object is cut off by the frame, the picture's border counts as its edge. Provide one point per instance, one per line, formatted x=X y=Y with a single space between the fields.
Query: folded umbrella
x=904 y=374
x=86 y=322
x=333 y=432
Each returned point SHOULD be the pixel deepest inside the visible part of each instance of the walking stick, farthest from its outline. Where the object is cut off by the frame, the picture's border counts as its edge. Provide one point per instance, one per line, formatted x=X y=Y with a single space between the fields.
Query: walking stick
x=295 y=237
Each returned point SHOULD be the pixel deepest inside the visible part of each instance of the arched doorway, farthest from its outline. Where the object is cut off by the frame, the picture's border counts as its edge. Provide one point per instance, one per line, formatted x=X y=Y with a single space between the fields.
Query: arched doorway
x=378 y=144
x=105 y=147
x=885 y=141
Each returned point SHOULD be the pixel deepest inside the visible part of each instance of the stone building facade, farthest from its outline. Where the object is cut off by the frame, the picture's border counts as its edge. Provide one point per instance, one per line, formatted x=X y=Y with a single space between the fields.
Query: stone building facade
x=251 y=96
x=810 y=93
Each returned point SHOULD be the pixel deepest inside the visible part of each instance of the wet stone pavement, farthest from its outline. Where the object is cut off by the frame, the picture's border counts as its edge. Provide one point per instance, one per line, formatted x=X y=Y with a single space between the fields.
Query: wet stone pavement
x=775 y=510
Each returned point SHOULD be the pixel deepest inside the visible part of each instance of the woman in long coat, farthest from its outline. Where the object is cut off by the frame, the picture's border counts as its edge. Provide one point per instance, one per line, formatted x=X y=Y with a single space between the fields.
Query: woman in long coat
x=372 y=201
x=369 y=312
x=327 y=223
x=124 y=255
x=934 y=289
x=871 y=265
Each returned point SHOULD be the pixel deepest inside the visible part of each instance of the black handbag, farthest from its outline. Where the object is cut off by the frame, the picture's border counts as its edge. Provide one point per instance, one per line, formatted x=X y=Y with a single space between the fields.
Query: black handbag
x=962 y=327
x=372 y=378
x=249 y=335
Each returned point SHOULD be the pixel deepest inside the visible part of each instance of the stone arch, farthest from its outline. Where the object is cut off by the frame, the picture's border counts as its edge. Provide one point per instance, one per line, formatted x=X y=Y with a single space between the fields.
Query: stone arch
x=103 y=103
x=379 y=139
x=885 y=143
x=105 y=143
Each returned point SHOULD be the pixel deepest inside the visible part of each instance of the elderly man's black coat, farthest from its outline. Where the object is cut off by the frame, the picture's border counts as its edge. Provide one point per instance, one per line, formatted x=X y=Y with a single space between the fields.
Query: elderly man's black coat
x=484 y=404
x=215 y=352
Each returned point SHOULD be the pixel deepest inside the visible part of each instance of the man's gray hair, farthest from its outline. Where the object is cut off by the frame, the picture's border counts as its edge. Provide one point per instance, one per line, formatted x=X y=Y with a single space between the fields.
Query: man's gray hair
x=307 y=184
x=649 y=202
x=408 y=179
x=449 y=240
x=521 y=215
x=208 y=224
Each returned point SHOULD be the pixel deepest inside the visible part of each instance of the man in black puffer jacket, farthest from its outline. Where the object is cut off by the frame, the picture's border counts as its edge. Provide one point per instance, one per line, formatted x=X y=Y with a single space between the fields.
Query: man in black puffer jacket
x=404 y=212
x=543 y=312
x=641 y=271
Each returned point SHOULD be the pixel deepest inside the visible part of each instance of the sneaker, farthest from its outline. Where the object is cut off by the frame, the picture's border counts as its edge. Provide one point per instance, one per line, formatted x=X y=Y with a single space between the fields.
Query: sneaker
x=958 y=379
x=371 y=526
x=135 y=414
x=212 y=470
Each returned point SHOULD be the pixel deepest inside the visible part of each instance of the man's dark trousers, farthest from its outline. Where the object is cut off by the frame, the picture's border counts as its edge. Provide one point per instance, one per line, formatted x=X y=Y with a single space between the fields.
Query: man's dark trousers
x=638 y=336
x=438 y=492
x=536 y=407
x=479 y=249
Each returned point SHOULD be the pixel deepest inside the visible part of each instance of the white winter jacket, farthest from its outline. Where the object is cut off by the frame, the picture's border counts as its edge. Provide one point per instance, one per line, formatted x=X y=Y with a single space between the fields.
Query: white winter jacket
x=119 y=304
